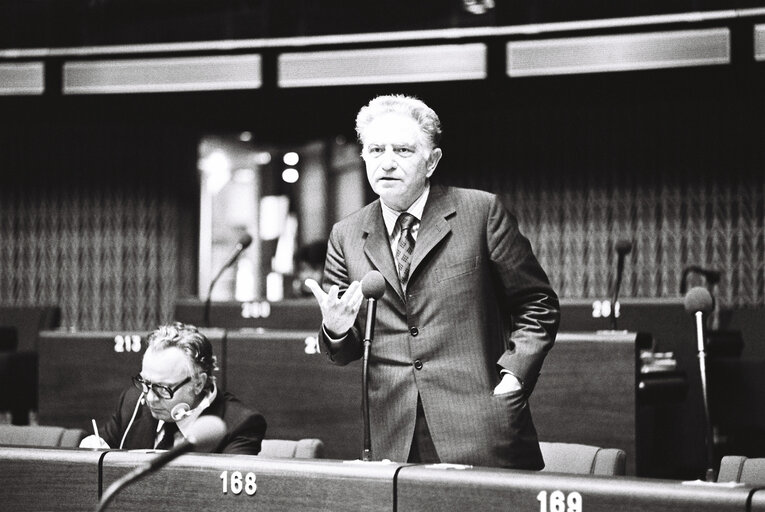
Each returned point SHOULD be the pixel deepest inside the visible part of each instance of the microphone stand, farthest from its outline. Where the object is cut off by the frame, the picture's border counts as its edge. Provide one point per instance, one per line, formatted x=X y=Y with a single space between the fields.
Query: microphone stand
x=710 y=472
x=617 y=285
x=244 y=243
x=366 y=454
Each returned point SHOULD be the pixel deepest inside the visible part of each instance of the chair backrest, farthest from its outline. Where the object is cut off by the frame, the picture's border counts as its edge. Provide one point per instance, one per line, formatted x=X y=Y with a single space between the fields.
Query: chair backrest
x=28 y=321
x=736 y=468
x=39 y=435
x=582 y=459
x=302 y=449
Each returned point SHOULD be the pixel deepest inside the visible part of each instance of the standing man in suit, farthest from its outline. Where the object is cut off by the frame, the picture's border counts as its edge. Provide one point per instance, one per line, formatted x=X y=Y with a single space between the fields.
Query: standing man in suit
x=175 y=387
x=468 y=314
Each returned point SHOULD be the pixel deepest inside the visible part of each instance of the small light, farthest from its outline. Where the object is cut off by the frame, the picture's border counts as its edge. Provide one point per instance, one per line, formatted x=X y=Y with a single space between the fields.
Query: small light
x=290 y=175
x=245 y=136
x=291 y=158
x=263 y=158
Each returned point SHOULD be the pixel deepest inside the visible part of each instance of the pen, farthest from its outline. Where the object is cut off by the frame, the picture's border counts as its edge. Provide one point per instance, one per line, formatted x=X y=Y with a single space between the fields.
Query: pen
x=95 y=428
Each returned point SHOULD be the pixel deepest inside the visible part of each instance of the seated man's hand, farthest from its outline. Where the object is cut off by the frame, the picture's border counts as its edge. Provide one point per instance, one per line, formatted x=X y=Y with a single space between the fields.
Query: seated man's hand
x=93 y=442
x=338 y=313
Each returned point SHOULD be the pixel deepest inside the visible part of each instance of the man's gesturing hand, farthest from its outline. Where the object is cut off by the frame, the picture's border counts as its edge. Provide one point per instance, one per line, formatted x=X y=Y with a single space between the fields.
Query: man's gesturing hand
x=338 y=313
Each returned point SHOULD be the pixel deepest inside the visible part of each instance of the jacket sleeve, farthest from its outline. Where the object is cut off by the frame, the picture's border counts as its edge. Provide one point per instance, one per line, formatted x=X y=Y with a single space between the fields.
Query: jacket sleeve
x=528 y=299
x=348 y=348
x=114 y=428
x=246 y=438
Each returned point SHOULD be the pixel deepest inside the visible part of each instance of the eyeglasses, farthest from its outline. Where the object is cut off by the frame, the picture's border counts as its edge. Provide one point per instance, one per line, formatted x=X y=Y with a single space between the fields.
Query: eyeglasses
x=166 y=392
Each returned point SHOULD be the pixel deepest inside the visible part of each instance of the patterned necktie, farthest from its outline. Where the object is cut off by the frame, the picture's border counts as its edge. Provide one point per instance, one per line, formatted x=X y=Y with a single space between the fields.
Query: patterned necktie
x=168 y=436
x=405 y=247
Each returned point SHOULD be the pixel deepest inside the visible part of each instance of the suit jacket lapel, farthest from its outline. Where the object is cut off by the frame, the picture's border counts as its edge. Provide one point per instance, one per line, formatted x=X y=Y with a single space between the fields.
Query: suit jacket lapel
x=433 y=227
x=377 y=247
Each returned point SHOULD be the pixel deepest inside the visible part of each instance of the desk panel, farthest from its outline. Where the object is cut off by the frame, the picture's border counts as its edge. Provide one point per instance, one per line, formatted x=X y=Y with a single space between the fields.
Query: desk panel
x=293 y=314
x=83 y=373
x=48 y=479
x=678 y=447
x=427 y=488
x=586 y=392
x=297 y=389
x=195 y=482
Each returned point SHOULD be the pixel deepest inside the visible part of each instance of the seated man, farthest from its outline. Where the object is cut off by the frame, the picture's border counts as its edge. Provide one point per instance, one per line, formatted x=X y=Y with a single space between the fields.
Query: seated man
x=175 y=387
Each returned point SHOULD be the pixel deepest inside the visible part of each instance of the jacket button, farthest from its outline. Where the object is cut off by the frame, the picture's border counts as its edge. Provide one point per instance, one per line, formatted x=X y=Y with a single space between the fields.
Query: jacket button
x=414 y=331
x=417 y=364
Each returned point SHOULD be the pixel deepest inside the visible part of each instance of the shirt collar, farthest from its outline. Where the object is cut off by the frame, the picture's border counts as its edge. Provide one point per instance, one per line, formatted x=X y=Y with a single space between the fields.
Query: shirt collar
x=390 y=216
x=185 y=423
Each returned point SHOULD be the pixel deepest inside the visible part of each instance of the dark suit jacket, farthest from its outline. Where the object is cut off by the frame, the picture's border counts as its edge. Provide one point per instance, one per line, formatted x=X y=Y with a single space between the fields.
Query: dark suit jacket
x=477 y=301
x=245 y=427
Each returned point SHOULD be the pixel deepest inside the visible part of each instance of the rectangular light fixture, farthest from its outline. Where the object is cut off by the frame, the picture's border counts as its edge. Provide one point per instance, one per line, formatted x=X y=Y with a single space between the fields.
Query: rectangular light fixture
x=623 y=52
x=174 y=74
x=435 y=63
x=759 y=43
x=22 y=78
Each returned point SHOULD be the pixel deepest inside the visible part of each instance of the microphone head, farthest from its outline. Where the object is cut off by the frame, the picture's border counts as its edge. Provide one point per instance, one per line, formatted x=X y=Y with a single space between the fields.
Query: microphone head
x=245 y=240
x=373 y=285
x=623 y=246
x=698 y=298
x=206 y=433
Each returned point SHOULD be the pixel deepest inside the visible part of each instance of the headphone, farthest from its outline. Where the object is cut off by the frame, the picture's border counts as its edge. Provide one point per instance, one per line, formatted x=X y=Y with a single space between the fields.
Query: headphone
x=183 y=410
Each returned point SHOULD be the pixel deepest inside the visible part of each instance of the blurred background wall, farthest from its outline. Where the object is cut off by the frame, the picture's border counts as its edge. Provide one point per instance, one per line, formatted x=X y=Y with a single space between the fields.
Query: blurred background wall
x=99 y=194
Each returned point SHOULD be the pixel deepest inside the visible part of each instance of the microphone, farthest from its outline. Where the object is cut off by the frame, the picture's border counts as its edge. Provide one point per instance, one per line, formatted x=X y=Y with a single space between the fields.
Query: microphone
x=699 y=301
x=373 y=288
x=244 y=242
x=203 y=436
x=623 y=248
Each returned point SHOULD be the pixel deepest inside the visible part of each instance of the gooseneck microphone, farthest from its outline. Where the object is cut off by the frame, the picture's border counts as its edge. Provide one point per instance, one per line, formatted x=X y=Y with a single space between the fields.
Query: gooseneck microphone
x=623 y=248
x=244 y=242
x=203 y=436
x=698 y=301
x=373 y=288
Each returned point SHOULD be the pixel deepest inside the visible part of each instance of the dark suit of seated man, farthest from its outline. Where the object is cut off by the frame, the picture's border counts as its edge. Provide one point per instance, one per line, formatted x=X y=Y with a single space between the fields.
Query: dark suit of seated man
x=174 y=388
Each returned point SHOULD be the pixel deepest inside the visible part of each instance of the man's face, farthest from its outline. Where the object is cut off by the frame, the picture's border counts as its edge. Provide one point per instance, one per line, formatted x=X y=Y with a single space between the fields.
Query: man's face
x=398 y=158
x=169 y=367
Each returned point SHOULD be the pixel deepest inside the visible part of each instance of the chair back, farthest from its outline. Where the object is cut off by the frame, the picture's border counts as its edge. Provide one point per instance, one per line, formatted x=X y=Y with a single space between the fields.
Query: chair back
x=736 y=468
x=40 y=436
x=583 y=459
x=301 y=449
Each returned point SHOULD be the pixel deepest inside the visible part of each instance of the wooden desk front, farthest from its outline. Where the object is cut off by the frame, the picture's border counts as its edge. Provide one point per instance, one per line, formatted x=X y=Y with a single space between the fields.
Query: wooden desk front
x=55 y=480
x=301 y=394
x=50 y=479
x=246 y=483
x=586 y=392
x=430 y=488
